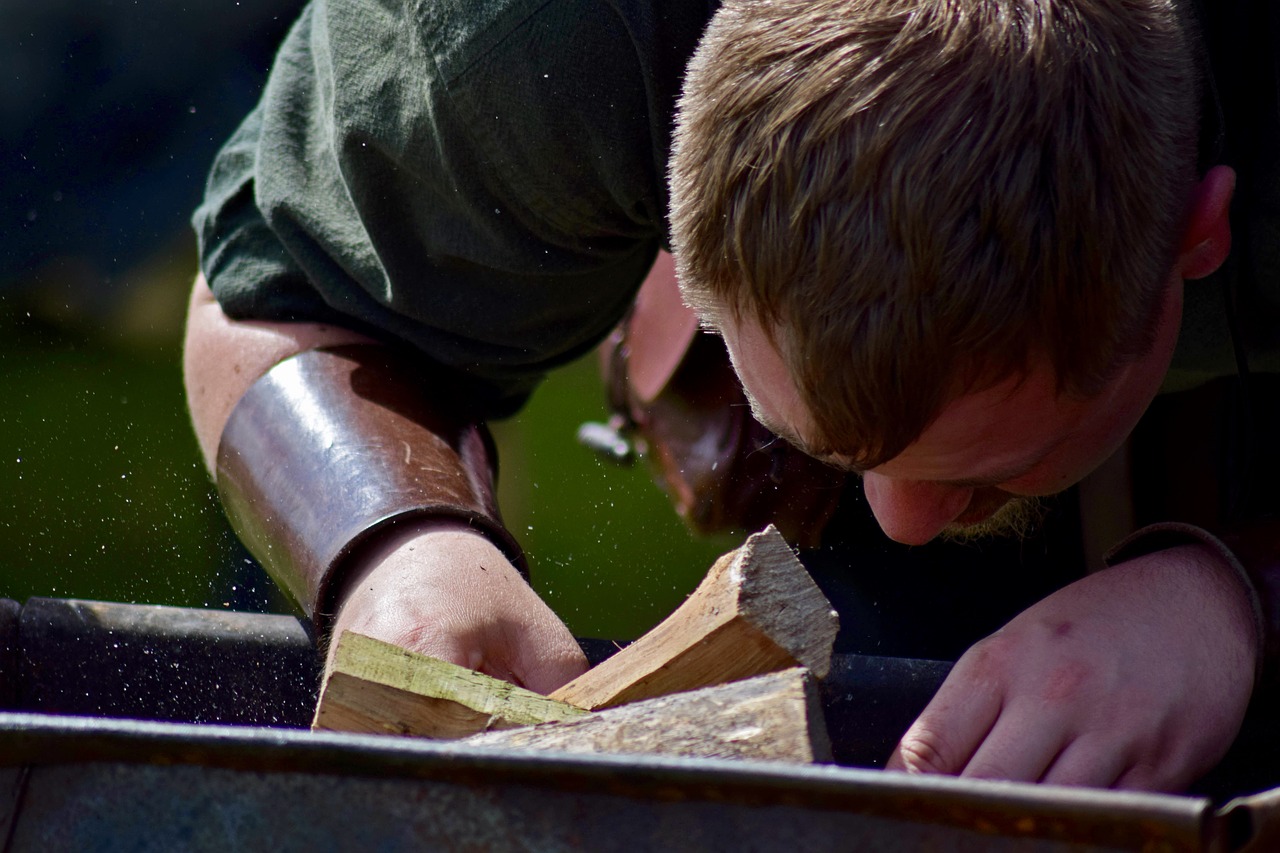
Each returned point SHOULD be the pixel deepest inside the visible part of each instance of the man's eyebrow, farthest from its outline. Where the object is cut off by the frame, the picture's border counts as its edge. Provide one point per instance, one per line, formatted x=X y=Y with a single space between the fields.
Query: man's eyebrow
x=777 y=429
x=992 y=479
x=995 y=478
x=1014 y=471
x=1005 y=474
x=791 y=437
x=834 y=460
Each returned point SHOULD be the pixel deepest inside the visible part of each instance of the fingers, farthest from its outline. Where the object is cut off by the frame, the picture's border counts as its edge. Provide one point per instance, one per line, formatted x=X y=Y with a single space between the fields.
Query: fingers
x=1026 y=747
x=544 y=653
x=988 y=740
x=949 y=730
x=453 y=595
x=1137 y=677
x=1019 y=748
x=1106 y=760
x=985 y=723
x=1029 y=742
x=1091 y=760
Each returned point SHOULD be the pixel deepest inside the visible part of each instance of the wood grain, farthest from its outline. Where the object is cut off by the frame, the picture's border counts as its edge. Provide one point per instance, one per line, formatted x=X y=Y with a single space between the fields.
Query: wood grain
x=757 y=611
x=381 y=688
x=774 y=717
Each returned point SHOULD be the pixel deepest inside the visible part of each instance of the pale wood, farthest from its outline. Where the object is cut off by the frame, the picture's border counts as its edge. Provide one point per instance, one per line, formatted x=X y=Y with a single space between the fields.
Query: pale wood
x=381 y=688
x=757 y=611
x=774 y=717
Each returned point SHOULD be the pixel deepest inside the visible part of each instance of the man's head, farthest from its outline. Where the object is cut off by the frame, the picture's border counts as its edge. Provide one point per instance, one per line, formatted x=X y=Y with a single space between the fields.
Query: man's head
x=936 y=214
x=915 y=197
x=1016 y=439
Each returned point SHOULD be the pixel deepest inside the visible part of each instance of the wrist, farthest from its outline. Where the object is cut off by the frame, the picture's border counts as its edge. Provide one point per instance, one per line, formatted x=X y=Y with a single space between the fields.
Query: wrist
x=331 y=448
x=1211 y=554
x=417 y=551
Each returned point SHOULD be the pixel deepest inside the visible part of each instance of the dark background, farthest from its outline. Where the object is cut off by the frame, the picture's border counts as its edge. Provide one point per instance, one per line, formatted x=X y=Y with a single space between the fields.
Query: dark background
x=110 y=113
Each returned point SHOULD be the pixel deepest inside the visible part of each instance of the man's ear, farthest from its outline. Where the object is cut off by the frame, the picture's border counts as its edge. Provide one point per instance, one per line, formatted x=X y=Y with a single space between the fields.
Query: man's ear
x=1206 y=237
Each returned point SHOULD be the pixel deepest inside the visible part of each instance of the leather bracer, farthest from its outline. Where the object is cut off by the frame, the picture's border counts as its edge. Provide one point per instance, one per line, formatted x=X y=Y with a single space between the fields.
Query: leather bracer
x=333 y=445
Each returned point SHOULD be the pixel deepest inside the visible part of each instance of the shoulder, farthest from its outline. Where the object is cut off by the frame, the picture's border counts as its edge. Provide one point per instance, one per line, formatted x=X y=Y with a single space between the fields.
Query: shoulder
x=564 y=95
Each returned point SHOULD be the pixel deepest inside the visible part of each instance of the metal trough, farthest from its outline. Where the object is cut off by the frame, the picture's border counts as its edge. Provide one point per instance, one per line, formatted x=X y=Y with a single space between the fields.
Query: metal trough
x=103 y=782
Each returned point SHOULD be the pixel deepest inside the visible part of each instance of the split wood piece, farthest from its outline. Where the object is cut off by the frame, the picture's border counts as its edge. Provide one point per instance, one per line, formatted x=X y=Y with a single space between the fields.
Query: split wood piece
x=757 y=611
x=774 y=717
x=380 y=688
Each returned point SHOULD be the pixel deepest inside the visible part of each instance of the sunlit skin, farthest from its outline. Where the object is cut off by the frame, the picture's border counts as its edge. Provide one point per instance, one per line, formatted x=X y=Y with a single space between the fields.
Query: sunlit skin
x=1019 y=437
x=1134 y=677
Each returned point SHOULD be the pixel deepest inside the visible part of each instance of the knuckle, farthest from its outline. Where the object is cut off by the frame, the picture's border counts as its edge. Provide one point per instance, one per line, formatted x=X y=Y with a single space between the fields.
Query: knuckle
x=923 y=751
x=992 y=655
x=430 y=640
x=1066 y=680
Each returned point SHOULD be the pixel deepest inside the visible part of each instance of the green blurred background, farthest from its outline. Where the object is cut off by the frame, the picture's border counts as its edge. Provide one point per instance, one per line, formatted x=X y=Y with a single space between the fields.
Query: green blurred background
x=103 y=496
x=110 y=115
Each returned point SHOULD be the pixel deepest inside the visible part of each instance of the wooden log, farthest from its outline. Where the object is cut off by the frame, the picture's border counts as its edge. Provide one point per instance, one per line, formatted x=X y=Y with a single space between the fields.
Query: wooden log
x=774 y=717
x=380 y=688
x=757 y=611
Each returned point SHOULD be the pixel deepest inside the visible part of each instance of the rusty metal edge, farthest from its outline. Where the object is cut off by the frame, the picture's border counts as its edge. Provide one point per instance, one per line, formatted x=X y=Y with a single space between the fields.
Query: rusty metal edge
x=1103 y=818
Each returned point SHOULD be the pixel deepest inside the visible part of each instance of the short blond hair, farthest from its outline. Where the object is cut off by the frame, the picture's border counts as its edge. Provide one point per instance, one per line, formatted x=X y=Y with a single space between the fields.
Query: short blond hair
x=916 y=196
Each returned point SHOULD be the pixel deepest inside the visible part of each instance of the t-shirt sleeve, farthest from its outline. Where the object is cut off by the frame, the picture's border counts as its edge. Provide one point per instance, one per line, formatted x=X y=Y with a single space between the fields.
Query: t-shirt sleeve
x=480 y=180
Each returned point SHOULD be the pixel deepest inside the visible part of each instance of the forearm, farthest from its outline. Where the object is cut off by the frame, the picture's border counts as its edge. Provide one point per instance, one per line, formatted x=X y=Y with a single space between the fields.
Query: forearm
x=320 y=438
x=223 y=357
x=367 y=492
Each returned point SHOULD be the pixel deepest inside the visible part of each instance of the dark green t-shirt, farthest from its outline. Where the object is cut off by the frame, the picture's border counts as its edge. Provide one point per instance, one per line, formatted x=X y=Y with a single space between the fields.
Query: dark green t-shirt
x=484 y=180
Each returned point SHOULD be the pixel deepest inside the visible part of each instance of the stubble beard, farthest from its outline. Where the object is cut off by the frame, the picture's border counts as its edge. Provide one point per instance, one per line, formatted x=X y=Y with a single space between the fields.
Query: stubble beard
x=1017 y=519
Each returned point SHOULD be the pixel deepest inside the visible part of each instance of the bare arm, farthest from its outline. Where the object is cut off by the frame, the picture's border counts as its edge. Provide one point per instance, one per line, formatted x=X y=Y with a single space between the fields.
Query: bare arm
x=223 y=357
x=430 y=585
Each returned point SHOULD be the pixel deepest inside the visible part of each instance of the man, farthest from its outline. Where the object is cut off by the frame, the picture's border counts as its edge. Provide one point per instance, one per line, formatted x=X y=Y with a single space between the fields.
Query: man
x=945 y=243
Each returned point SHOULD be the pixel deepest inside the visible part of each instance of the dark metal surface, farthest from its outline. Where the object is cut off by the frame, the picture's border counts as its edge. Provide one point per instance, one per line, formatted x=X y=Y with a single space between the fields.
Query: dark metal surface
x=10 y=675
x=205 y=666
x=117 y=785
x=73 y=782
x=157 y=663
x=13 y=782
x=870 y=701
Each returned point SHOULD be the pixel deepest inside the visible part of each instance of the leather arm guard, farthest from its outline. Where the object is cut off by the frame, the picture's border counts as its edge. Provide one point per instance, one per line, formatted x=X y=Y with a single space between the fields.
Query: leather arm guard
x=332 y=445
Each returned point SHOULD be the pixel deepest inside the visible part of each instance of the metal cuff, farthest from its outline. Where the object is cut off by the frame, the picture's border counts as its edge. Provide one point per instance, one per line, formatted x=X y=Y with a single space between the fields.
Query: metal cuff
x=334 y=444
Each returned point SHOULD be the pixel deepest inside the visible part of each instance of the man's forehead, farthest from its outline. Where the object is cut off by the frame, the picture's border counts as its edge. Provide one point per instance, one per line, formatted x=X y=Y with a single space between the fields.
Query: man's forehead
x=767 y=382
x=1011 y=421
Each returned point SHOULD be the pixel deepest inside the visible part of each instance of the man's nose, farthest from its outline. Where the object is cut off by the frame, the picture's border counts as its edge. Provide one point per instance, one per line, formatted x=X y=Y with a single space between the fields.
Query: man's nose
x=911 y=511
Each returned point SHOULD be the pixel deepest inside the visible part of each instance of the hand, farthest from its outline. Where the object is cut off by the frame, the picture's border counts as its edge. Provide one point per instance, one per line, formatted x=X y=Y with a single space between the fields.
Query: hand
x=1134 y=677
x=450 y=593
